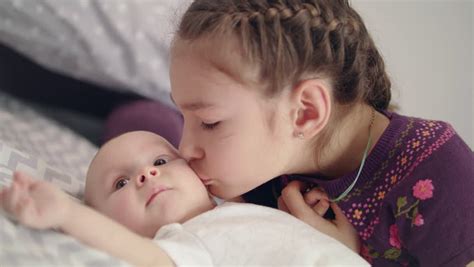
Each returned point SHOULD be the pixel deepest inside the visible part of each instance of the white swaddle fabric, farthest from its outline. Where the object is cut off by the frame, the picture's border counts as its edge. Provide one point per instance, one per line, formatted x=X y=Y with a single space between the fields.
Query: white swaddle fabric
x=238 y=234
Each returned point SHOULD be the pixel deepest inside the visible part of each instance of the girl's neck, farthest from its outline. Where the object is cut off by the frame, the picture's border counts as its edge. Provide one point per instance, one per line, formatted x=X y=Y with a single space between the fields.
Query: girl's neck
x=344 y=152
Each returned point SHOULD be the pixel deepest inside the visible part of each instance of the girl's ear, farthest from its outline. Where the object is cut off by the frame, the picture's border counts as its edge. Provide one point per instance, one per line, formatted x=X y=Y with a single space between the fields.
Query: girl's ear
x=311 y=101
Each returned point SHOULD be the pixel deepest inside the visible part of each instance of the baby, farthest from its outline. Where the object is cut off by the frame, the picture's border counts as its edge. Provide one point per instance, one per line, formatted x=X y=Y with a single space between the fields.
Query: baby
x=158 y=212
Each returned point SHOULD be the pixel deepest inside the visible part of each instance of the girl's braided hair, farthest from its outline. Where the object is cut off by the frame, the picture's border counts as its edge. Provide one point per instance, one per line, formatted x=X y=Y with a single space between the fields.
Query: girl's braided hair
x=292 y=39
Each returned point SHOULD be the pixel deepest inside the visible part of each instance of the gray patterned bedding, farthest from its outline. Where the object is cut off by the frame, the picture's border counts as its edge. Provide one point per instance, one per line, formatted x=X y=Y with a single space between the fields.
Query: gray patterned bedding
x=118 y=44
x=37 y=145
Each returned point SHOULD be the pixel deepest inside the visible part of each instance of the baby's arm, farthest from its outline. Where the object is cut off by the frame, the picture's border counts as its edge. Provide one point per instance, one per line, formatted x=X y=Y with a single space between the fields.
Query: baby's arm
x=41 y=205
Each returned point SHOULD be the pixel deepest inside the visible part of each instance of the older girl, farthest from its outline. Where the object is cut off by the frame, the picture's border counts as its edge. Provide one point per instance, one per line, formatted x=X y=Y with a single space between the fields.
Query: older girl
x=298 y=90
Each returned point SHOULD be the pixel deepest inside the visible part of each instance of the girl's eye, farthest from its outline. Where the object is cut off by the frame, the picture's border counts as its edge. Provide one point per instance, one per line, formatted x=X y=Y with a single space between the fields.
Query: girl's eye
x=121 y=183
x=209 y=126
x=159 y=162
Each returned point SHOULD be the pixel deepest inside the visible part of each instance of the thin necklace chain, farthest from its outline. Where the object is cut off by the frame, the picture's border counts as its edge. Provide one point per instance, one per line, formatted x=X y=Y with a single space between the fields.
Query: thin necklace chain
x=362 y=163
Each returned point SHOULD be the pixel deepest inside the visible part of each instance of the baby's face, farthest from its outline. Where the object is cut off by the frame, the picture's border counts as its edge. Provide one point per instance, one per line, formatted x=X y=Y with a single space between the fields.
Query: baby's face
x=139 y=180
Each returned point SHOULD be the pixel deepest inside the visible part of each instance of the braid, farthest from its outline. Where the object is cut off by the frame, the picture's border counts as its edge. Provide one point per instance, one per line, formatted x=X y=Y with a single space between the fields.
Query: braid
x=292 y=39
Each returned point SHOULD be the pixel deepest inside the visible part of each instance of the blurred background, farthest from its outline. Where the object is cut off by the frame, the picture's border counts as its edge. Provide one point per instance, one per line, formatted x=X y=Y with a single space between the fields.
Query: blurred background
x=428 y=48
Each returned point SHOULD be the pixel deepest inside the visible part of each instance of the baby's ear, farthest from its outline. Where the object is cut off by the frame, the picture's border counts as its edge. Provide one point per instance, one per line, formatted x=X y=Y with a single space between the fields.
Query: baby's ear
x=311 y=100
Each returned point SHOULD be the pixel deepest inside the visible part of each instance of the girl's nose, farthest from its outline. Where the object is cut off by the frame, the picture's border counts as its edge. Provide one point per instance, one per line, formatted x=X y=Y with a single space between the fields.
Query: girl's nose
x=189 y=150
x=146 y=174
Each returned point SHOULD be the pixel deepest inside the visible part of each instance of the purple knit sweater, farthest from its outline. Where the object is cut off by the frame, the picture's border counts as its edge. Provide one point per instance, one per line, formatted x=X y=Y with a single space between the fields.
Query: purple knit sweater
x=412 y=204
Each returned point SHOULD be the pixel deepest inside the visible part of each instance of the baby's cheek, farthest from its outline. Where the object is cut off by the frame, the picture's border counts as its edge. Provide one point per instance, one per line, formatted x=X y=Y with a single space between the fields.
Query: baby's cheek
x=125 y=212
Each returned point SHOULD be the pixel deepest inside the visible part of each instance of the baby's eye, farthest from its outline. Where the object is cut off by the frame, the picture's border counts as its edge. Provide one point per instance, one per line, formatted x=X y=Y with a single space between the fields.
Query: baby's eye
x=121 y=183
x=160 y=161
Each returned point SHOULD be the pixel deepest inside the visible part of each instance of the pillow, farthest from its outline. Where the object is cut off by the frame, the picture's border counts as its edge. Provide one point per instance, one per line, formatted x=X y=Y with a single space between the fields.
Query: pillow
x=145 y=115
x=118 y=44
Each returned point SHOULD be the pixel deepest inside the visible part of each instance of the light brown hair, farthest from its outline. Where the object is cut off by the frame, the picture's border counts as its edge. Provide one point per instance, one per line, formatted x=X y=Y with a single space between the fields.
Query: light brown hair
x=292 y=39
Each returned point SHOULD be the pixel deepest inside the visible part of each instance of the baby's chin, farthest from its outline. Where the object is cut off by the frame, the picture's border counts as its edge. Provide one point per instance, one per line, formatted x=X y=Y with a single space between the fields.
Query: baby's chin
x=149 y=233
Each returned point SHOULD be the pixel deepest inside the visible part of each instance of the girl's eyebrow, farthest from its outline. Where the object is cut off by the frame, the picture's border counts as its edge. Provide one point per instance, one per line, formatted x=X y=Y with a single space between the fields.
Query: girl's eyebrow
x=193 y=106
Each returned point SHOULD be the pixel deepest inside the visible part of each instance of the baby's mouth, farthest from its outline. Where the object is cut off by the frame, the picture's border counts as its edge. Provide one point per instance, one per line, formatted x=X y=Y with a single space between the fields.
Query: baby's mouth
x=156 y=191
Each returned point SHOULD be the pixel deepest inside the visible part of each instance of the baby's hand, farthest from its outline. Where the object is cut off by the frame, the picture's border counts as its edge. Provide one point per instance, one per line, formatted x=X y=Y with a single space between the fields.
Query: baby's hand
x=311 y=207
x=34 y=203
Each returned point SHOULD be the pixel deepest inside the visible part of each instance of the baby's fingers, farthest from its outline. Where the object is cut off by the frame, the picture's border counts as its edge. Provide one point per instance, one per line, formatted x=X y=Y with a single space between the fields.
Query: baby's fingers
x=24 y=211
x=10 y=197
x=23 y=179
x=3 y=189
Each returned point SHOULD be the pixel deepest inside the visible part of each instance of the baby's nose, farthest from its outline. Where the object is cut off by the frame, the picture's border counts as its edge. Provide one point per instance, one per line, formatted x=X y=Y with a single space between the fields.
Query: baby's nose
x=146 y=174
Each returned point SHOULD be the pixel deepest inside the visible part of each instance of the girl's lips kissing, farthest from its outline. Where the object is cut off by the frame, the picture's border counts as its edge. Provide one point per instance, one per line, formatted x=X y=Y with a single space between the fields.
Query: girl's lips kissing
x=205 y=180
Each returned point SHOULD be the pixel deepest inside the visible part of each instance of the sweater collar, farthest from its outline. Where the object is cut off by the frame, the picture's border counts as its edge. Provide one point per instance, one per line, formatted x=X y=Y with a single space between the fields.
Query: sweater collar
x=335 y=186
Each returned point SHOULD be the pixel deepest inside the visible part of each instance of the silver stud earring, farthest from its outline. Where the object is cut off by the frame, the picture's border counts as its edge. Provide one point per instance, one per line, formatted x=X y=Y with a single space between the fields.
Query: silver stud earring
x=300 y=135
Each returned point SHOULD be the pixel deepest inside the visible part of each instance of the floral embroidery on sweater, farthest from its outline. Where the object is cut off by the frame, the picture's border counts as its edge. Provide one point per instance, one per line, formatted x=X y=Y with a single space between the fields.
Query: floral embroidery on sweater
x=407 y=154
x=422 y=190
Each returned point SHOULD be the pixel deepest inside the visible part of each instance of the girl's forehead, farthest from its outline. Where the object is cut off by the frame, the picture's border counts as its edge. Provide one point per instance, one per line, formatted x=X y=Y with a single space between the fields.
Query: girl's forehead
x=220 y=53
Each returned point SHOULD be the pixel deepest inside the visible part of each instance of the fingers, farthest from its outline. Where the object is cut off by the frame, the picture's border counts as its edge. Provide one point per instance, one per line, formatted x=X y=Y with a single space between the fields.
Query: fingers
x=315 y=195
x=3 y=189
x=22 y=178
x=318 y=200
x=341 y=219
x=13 y=198
x=294 y=201
x=24 y=210
x=321 y=207
x=281 y=205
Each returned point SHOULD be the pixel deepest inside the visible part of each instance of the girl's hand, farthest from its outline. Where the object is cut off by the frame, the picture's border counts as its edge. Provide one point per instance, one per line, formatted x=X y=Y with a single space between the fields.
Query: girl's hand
x=34 y=203
x=311 y=207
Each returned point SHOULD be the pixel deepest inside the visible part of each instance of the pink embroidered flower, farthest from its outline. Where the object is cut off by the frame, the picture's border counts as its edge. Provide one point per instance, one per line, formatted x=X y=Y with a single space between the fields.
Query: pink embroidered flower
x=394 y=240
x=418 y=221
x=423 y=189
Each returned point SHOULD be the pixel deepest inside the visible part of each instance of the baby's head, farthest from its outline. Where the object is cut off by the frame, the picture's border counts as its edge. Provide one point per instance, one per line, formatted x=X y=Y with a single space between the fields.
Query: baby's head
x=140 y=180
